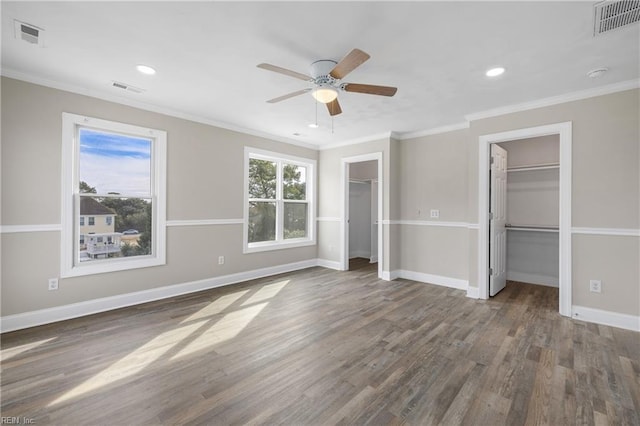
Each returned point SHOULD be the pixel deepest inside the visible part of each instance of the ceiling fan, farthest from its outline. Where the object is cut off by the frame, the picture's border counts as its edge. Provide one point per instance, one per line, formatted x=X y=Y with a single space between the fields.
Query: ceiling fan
x=326 y=75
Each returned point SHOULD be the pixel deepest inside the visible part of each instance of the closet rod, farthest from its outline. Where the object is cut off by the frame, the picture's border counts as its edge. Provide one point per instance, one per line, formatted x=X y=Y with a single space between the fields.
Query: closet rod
x=539 y=228
x=534 y=167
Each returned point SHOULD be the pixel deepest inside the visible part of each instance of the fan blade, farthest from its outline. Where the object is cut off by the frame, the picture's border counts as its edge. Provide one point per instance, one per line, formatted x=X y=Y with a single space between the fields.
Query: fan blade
x=370 y=89
x=334 y=107
x=288 y=95
x=349 y=63
x=285 y=71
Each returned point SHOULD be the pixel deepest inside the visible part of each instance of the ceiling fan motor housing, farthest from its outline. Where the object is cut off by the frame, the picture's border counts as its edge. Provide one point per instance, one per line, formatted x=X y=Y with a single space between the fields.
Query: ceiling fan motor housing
x=320 y=71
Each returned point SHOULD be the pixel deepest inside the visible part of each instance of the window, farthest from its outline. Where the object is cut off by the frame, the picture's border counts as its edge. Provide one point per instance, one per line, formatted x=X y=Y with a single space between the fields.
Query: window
x=117 y=172
x=280 y=196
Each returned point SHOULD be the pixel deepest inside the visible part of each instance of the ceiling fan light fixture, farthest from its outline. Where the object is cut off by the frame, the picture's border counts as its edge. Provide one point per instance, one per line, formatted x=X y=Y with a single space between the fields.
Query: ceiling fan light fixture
x=324 y=94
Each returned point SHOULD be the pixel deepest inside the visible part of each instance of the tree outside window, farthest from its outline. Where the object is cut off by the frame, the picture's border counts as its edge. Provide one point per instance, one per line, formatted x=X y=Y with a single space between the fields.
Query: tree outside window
x=278 y=198
x=118 y=181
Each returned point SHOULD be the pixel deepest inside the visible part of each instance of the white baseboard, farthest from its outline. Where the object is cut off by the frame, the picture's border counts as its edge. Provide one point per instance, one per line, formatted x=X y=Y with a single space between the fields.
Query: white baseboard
x=473 y=292
x=330 y=264
x=363 y=254
x=373 y=259
x=75 y=310
x=390 y=275
x=433 y=279
x=598 y=316
x=533 y=279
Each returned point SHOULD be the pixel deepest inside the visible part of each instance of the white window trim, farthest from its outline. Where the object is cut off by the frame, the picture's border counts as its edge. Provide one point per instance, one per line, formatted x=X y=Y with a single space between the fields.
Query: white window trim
x=310 y=240
x=70 y=184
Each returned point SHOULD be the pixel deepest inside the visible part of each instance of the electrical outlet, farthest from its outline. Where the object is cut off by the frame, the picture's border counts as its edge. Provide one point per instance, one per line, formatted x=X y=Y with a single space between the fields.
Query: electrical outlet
x=220 y=260
x=595 y=286
x=435 y=214
x=53 y=283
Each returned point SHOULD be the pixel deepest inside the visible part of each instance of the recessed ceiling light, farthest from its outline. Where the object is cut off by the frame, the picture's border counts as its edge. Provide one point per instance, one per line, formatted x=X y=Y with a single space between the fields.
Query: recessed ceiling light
x=494 y=72
x=145 y=69
x=597 y=72
x=313 y=125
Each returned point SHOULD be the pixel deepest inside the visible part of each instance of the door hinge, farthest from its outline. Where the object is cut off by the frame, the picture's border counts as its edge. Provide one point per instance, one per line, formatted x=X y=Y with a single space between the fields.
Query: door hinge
x=490 y=271
x=490 y=215
x=491 y=161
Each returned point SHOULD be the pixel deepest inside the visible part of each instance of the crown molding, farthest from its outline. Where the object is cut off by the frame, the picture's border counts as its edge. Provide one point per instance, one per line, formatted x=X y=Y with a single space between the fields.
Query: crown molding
x=435 y=131
x=555 y=100
x=7 y=72
x=401 y=136
x=370 y=138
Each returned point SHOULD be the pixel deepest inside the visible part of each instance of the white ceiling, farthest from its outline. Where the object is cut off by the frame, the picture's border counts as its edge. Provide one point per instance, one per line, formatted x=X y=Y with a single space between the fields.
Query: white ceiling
x=206 y=54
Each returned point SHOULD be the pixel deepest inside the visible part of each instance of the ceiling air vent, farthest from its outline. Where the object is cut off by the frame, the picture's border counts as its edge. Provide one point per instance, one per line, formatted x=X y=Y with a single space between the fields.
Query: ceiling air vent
x=29 y=33
x=128 y=87
x=611 y=15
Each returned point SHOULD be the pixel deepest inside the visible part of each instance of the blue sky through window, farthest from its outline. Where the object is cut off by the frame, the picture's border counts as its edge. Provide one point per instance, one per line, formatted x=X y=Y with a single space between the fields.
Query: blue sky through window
x=112 y=162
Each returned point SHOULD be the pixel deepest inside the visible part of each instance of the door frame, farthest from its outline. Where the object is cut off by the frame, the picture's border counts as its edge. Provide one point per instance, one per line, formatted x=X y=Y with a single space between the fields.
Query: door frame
x=564 y=130
x=344 y=216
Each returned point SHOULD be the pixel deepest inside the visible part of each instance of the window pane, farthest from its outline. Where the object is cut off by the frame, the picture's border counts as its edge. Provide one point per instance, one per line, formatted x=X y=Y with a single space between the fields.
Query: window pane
x=262 y=222
x=114 y=163
x=262 y=179
x=294 y=182
x=128 y=234
x=295 y=220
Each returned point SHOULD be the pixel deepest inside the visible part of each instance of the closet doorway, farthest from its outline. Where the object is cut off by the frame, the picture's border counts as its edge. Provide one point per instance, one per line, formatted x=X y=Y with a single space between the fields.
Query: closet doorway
x=529 y=186
x=361 y=224
x=520 y=224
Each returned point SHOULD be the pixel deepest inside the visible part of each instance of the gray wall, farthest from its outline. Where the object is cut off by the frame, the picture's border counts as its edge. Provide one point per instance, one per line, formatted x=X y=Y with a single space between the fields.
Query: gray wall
x=441 y=172
x=605 y=192
x=204 y=181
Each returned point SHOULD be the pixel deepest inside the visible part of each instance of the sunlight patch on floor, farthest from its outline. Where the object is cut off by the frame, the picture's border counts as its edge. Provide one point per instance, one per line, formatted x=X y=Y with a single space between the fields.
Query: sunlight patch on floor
x=133 y=362
x=266 y=292
x=6 y=354
x=227 y=328
x=217 y=306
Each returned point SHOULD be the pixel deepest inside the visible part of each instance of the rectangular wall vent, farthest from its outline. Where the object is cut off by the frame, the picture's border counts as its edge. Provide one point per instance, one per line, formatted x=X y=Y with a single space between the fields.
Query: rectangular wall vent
x=614 y=14
x=29 y=33
x=128 y=87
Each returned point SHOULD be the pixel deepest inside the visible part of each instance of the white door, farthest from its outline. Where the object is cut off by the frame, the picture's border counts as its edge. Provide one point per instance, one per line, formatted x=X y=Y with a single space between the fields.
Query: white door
x=374 y=221
x=497 y=220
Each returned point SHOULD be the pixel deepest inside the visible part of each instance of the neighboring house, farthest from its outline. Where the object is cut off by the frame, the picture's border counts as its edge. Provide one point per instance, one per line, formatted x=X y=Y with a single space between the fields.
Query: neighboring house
x=97 y=235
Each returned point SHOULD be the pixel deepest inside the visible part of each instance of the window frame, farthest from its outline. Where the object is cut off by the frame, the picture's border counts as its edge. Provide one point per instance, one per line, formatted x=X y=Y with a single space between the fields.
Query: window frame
x=310 y=192
x=70 y=265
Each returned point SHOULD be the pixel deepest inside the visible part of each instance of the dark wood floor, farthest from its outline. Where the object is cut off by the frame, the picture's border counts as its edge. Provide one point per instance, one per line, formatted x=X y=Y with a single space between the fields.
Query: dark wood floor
x=325 y=347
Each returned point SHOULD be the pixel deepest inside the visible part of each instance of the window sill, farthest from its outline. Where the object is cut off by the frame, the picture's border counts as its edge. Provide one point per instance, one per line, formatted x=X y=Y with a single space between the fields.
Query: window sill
x=259 y=247
x=112 y=265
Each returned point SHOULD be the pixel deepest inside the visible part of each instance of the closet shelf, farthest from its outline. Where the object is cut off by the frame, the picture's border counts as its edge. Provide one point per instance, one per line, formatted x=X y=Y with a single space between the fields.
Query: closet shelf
x=533 y=228
x=546 y=166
